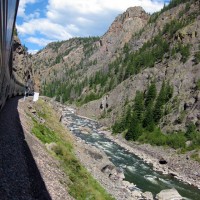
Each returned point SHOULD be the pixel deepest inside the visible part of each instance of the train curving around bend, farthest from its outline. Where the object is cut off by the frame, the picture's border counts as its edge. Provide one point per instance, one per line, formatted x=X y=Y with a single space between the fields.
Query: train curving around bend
x=9 y=86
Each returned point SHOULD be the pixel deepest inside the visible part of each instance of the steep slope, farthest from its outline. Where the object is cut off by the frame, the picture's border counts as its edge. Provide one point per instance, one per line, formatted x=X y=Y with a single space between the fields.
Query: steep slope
x=77 y=60
x=21 y=61
x=176 y=63
x=138 y=50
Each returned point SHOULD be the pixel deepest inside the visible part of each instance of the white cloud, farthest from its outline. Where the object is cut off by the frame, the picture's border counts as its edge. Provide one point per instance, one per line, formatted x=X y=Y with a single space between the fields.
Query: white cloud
x=34 y=15
x=39 y=41
x=45 y=27
x=71 y=18
x=91 y=15
x=73 y=28
x=31 y=51
x=22 y=7
x=97 y=6
x=83 y=20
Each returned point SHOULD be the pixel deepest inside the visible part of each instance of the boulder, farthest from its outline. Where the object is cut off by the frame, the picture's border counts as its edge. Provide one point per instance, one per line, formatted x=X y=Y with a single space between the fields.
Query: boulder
x=188 y=143
x=169 y=194
x=107 y=169
x=85 y=130
x=147 y=196
x=93 y=154
x=113 y=172
x=136 y=194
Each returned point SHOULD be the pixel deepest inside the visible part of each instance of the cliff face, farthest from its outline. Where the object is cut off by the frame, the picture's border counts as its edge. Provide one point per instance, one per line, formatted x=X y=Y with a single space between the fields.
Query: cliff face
x=88 y=55
x=103 y=74
x=120 y=32
x=183 y=76
x=22 y=68
x=14 y=72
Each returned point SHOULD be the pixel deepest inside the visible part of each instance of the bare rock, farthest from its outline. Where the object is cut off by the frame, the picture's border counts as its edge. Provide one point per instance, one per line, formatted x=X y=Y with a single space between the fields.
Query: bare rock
x=95 y=155
x=85 y=130
x=169 y=194
x=108 y=169
x=136 y=194
x=147 y=196
x=188 y=143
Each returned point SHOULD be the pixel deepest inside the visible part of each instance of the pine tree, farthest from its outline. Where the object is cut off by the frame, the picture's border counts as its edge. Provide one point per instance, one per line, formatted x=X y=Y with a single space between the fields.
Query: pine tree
x=135 y=129
x=139 y=105
x=151 y=94
x=168 y=92
x=148 y=122
x=127 y=118
x=190 y=131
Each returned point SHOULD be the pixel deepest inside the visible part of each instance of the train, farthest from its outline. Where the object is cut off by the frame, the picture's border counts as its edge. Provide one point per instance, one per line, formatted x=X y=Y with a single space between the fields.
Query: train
x=9 y=85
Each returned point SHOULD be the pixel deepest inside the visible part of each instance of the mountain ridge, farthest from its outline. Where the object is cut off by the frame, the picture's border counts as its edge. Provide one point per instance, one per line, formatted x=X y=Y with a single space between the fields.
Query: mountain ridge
x=102 y=71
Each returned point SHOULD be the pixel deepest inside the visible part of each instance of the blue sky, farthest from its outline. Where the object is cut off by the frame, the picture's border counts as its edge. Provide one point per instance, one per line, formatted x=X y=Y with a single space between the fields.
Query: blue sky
x=40 y=22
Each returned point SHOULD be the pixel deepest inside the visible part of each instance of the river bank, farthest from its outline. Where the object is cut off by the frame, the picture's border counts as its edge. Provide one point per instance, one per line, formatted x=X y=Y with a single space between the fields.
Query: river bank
x=101 y=168
x=151 y=155
x=180 y=166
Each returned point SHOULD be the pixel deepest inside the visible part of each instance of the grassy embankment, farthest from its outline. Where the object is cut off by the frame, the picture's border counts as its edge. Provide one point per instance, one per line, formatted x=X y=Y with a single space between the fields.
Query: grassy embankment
x=81 y=185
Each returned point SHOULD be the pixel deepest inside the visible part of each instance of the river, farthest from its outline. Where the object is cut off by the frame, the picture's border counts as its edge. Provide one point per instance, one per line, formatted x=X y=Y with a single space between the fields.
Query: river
x=135 y=170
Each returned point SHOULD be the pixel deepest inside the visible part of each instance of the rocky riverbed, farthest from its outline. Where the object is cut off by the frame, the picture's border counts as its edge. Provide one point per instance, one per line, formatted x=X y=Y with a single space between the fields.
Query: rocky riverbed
x=99 y=165
x=163 y=160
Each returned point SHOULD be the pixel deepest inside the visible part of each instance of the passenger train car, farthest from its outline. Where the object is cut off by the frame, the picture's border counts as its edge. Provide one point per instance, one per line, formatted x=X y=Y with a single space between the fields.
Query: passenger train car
x=9 y=86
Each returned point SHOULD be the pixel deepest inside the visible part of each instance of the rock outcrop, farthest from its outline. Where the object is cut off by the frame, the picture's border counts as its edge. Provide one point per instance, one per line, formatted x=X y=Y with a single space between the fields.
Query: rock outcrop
x=92 y=54
x=90 y=70
x=183 y=76
x=22 y=68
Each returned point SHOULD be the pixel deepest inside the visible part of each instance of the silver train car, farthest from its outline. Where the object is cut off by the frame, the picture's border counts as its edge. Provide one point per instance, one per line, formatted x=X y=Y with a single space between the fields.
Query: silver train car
x=9 y=86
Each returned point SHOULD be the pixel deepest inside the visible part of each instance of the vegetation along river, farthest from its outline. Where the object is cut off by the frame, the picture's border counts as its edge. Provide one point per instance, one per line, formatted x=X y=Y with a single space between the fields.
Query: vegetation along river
x=135 y=170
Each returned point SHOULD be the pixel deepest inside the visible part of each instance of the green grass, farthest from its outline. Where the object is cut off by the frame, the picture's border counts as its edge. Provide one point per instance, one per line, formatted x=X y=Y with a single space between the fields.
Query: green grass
x=195 y=156
x=198 y=84
x=175 y=140
x=81 y=185
x=197 y=57
x=43 y=133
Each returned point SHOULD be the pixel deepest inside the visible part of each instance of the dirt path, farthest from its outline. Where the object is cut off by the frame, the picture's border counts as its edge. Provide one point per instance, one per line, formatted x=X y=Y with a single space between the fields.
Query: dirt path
x=20 y=178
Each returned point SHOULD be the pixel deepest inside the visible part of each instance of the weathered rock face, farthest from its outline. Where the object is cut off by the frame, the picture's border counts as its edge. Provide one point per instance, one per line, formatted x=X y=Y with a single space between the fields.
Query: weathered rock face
x=75 y=61
x=56 y=58
x=122 y=30
x=22 y=68
x=15 y=73
x=182 y=76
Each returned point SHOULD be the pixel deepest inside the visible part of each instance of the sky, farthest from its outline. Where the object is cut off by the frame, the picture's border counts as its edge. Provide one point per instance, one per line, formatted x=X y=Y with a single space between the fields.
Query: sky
x=40 y=22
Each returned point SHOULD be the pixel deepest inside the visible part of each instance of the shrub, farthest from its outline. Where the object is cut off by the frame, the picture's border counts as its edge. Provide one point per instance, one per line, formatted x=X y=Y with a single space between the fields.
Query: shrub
x=118 y=127
x=154 y=138
x=190 y=131
x=195 y=156
x=58 y=149
x=184 y=50
x=176 y=140
x=197 y=57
